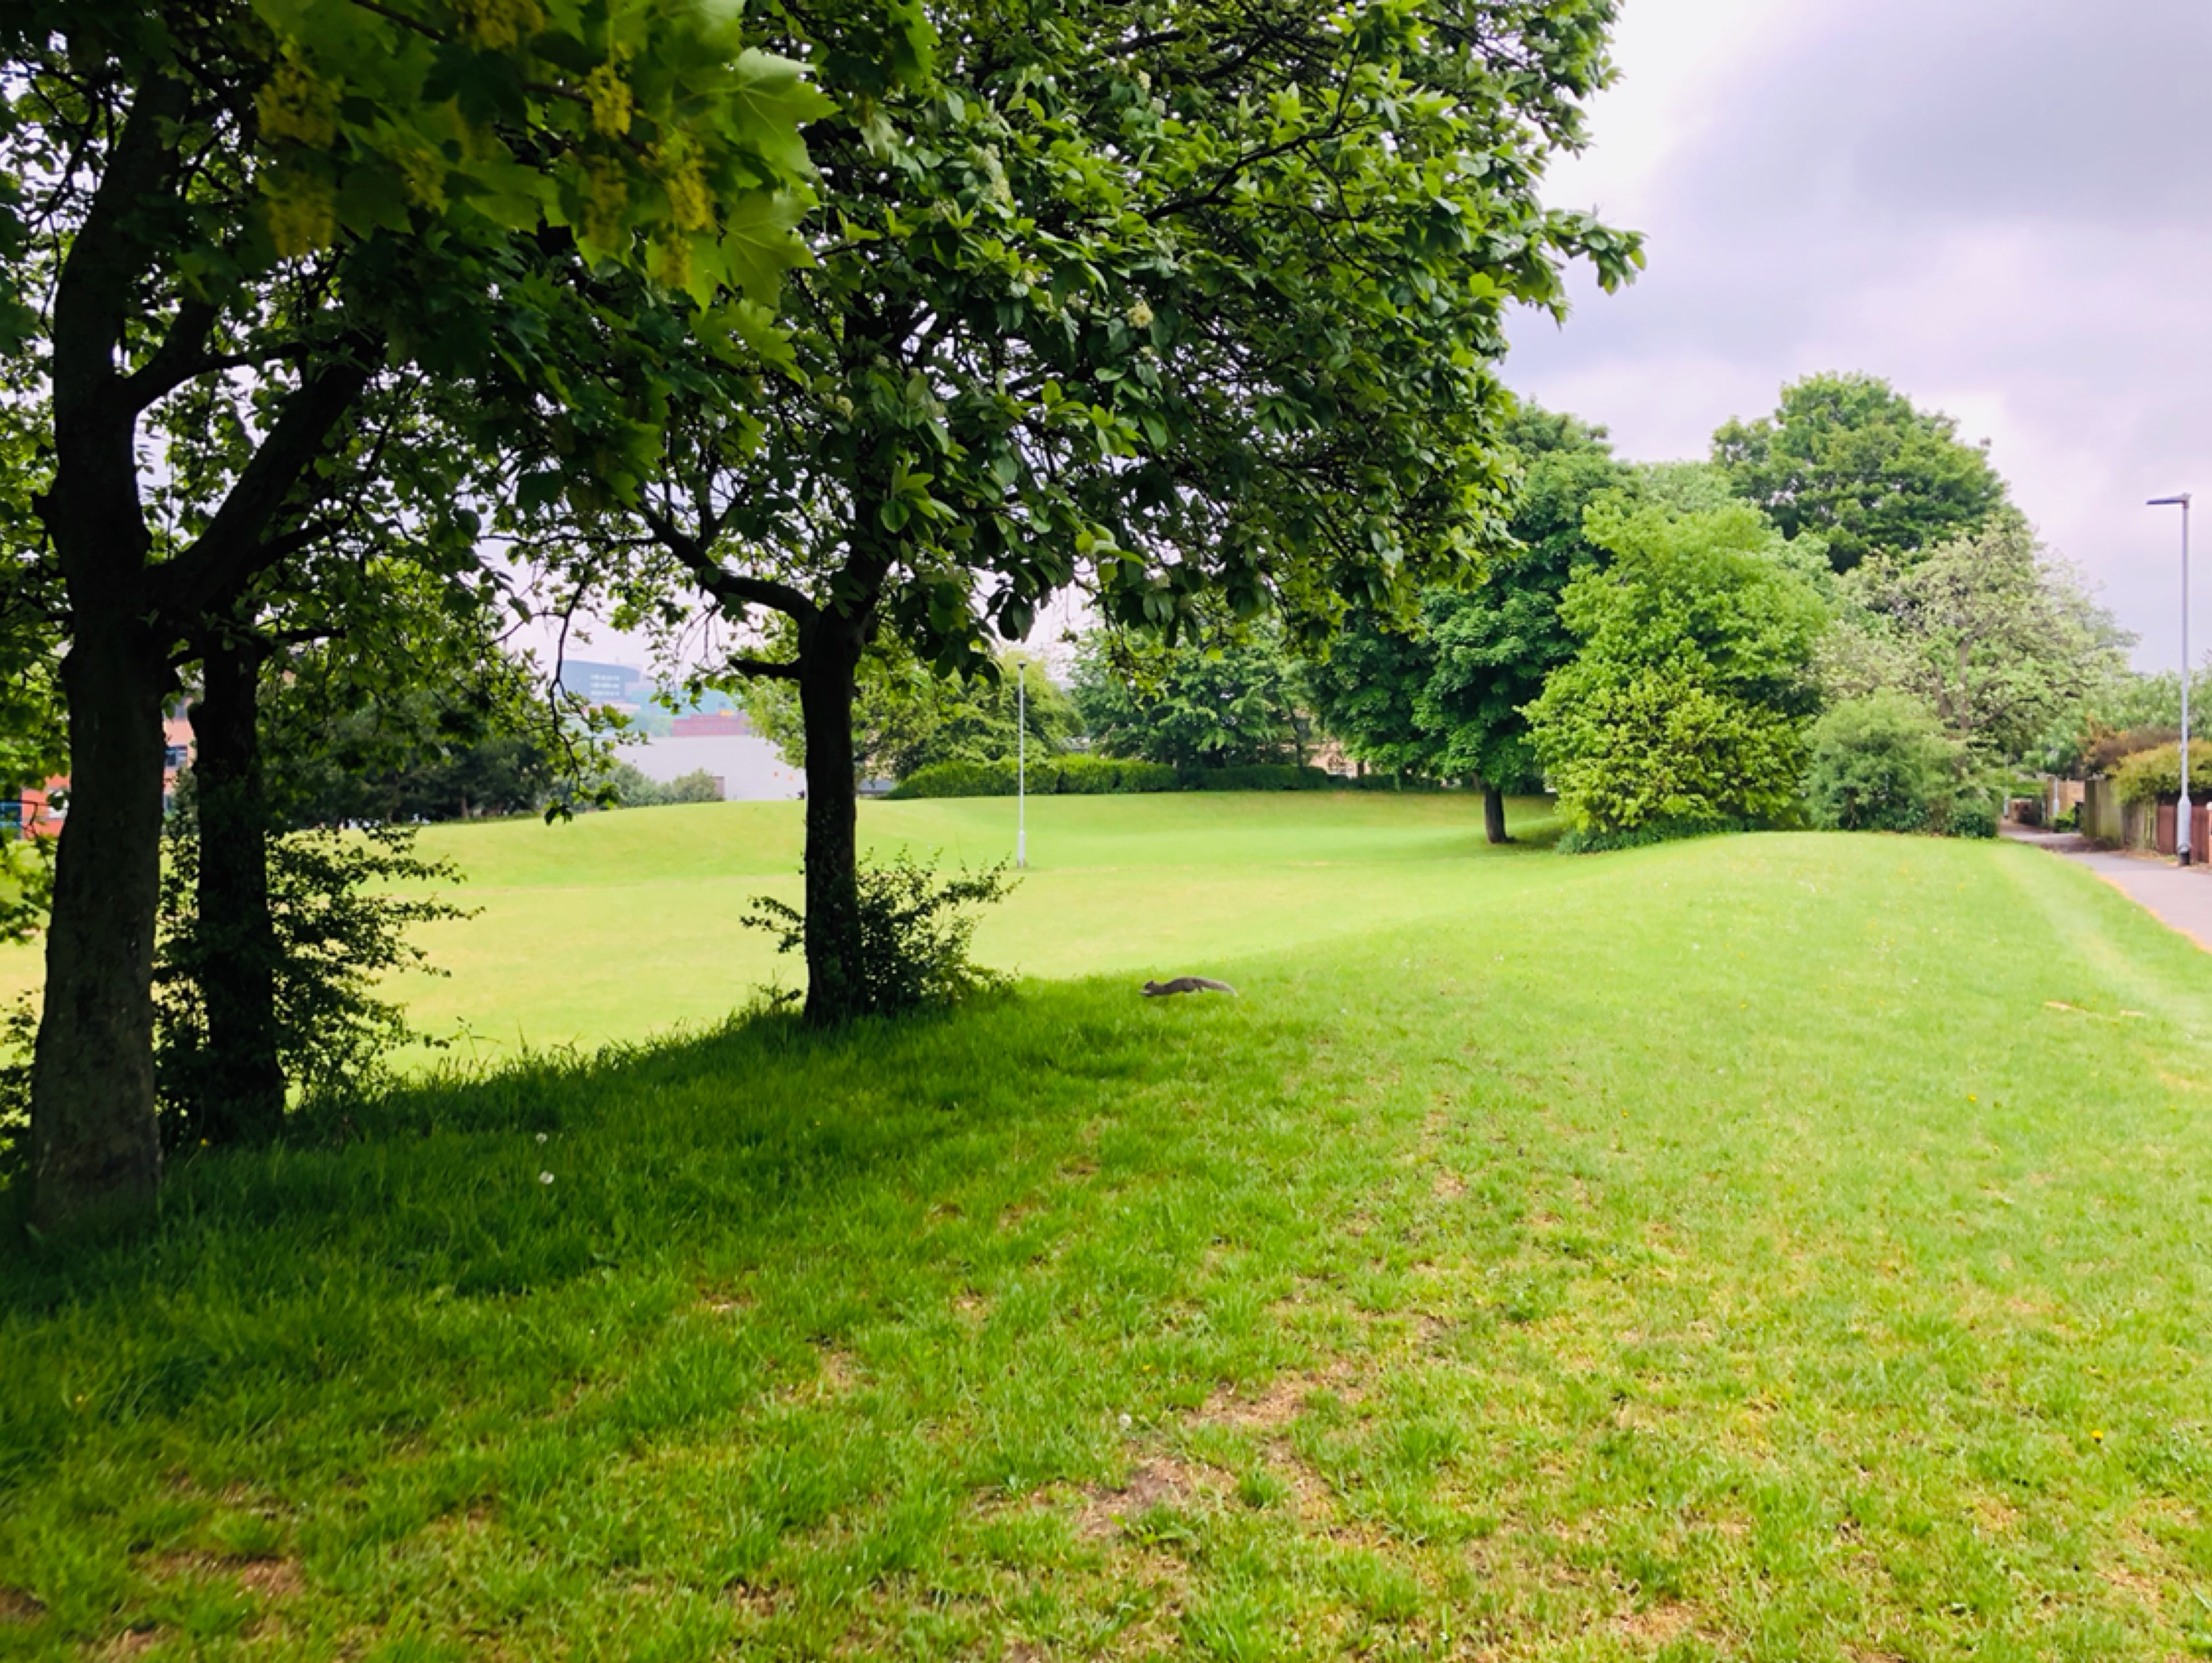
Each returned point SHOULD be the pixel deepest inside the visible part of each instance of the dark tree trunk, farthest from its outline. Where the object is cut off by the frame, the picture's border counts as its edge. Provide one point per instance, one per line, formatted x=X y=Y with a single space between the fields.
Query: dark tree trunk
x=94 y=1143
x=829 y=659
x=95 y=1146
x=1494 y=813
x=241 y=1089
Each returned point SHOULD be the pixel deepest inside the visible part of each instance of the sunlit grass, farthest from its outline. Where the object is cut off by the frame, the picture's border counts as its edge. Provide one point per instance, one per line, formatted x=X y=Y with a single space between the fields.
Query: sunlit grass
x=1766 y=1247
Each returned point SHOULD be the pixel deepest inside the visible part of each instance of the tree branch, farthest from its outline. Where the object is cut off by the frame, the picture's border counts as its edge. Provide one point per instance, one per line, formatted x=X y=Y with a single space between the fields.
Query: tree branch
x=92 y=298
x=235 y=544
x=765 y=669
x=728 y=587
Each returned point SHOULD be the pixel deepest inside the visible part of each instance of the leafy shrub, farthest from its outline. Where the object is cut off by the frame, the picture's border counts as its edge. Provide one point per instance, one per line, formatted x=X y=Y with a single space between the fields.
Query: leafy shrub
x=338 y=929
x=914 y=935
x=1256 y=776
x=2155 y=776
x=1687 y=697
x=632 y=788
x=959 y=780
x=1879 y=763
x=1580 y=842
x=1661 y=747
x=1094 y=775
x=1049 y=776
x=1972 y=813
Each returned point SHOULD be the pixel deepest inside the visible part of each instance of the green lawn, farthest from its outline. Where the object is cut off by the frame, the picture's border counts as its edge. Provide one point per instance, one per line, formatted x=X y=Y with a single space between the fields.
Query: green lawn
x=1778 y=1247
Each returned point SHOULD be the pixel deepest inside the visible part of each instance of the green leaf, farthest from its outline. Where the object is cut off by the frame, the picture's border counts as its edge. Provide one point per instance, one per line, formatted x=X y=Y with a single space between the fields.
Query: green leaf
x=770 y=100
x=758 y=243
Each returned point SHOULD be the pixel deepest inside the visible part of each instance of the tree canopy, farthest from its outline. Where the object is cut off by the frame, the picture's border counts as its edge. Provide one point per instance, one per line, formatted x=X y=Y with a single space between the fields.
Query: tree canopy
x=1226 y=703
x=1198 y=303
x=277 y=208
x=2001 y=641
x=1849 y=459
x=1692 y=686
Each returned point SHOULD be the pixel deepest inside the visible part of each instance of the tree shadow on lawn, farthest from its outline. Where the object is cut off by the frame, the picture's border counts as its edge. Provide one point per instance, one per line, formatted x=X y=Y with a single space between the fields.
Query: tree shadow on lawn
x=523 y=1175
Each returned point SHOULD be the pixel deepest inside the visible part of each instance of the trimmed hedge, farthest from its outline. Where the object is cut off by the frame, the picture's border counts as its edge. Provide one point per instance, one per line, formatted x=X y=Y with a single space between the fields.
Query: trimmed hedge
x=2155 y=775
x=1049 y=776
x=1257 y=776
x=1654 y=831
x=1085 y=776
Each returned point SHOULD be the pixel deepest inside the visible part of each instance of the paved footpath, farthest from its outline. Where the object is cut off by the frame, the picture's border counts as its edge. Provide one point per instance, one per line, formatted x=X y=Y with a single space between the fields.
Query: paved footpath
x=2179 y=897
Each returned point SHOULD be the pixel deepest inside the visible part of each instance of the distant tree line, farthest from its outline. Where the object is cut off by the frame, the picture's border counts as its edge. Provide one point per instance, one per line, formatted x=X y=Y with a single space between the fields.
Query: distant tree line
x=1842 y=595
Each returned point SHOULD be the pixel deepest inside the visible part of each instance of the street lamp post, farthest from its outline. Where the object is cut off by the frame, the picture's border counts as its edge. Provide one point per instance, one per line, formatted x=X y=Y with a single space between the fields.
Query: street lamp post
x=2181 y=813
x=1022 y=766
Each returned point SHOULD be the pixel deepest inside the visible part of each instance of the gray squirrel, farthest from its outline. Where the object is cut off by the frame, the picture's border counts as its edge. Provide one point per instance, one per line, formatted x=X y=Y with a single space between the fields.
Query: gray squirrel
x=1188 y=985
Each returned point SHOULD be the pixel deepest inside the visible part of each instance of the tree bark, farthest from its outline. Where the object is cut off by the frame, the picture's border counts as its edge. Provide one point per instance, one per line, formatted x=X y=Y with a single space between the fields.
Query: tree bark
x=829 y=658
x=241 y=1090
x=1493 y=814
x=94 y=1143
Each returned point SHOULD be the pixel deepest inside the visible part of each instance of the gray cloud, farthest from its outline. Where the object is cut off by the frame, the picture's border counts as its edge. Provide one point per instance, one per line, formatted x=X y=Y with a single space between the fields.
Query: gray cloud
x=2005 y=206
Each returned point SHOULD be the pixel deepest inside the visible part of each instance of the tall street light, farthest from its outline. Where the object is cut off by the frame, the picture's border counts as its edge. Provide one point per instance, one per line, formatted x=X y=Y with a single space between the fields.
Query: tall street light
x=2181 y=813
x=1022 y=762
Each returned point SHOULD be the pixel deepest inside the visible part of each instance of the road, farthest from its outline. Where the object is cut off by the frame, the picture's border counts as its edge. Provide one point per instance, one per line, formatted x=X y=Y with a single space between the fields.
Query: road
x=2180 y=898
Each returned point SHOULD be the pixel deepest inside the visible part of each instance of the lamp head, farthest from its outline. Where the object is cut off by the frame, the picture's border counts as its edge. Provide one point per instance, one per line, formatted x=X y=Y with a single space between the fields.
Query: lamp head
x=2181 y=501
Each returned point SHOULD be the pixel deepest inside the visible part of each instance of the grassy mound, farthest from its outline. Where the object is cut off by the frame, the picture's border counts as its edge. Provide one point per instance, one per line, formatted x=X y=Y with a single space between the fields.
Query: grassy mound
x=1779 y=1247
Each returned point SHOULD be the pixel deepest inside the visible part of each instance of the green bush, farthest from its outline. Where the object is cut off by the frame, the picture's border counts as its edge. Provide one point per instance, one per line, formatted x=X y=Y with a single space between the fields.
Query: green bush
x=1880 y=763
x=914 y=934
x=1973 y=813
x=1579 y=842
x=1256 y=776
x=1049 y=776
x=339 y=930
x=2155 y=776
x=959 y=780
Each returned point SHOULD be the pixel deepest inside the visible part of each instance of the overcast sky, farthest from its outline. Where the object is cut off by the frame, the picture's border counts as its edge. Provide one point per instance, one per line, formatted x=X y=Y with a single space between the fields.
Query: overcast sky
x=2004 y=206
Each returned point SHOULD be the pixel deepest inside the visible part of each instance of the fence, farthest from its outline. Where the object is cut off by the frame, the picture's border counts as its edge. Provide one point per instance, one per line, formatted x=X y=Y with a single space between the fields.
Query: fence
x=2106 y=819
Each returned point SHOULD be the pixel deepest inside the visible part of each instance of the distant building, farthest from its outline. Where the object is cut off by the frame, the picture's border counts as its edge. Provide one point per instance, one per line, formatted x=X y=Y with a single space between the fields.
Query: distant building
x=712 y=725
x=31 y=810
x=604 y=684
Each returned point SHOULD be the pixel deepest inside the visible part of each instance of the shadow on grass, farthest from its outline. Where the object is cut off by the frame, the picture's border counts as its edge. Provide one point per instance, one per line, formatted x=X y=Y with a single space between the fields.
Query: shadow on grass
x=524 y=1175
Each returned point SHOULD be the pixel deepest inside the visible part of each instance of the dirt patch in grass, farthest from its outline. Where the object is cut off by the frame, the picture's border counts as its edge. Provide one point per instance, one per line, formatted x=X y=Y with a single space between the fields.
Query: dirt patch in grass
x=1279 y=1403
x=752 y=1598
x=17 y=1607
x=272 y=1579
x=1276 y=1406
x=1162 y=1481
x=1656 y=1625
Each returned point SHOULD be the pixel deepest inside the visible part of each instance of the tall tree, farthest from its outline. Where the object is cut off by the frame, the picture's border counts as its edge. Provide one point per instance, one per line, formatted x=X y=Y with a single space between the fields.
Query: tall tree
x=1227 y=703
x=1849 y=459
x=302 y=193
x=1197 y=299
x=1496 y=642
x=1999 y=639
x=1689 y=694
x=1446 y=696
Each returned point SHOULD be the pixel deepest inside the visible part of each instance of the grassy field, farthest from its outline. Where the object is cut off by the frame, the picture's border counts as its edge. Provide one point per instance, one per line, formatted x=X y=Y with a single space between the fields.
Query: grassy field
x=1775 y=1248
x=619 y=927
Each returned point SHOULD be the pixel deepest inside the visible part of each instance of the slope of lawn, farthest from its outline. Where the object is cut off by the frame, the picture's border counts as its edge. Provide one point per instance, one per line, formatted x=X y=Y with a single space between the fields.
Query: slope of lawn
x=1775 y=1248
x=625 y=926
